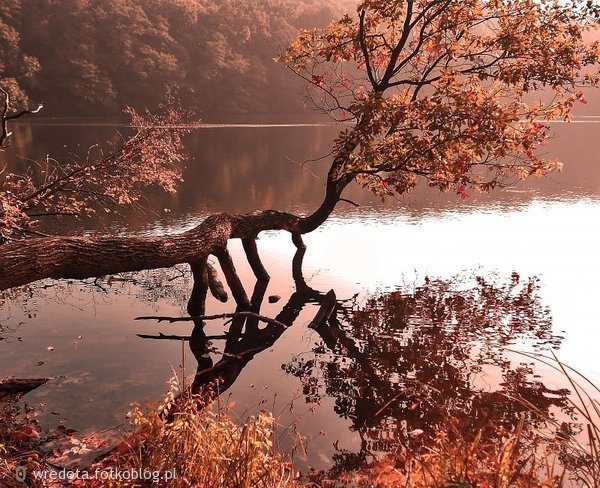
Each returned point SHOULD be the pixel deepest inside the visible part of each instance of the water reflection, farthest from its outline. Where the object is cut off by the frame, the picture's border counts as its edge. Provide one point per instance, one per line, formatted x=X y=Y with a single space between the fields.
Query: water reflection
x=405 y=360
x=410 y=360
x=446 y=332
x=245 y=337
x=245 y=169
x=390 y=363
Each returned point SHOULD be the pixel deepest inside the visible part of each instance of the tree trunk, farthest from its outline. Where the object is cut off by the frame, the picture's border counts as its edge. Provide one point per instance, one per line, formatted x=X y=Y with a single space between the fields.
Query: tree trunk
x=25 y=261
x=13 y=387
x=30 y=260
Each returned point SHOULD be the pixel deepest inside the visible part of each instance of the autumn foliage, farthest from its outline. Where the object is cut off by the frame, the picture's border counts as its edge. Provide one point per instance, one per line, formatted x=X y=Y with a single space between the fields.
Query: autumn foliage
x=103 y=180
x=455 y=93
x=93 y=57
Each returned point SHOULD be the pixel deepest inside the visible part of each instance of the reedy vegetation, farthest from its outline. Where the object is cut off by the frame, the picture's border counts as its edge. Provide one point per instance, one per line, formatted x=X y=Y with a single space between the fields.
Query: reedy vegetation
x=212 y=447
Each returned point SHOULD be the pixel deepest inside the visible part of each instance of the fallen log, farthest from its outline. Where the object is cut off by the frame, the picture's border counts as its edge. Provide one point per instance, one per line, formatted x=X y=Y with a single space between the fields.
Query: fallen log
x=23 y=262
x=10 y=387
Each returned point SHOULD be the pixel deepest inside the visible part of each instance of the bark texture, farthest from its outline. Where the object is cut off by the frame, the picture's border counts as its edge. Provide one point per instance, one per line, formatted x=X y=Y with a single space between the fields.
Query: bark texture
x=23 y=262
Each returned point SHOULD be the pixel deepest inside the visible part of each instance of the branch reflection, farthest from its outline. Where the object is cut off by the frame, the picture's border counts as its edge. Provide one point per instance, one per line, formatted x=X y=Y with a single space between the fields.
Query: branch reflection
x=403 y=361
x=245 y=339
x=407 y=361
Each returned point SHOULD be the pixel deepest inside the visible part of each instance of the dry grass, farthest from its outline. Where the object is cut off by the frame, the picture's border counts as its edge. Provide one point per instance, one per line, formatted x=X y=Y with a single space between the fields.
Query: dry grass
x=579 y=451
x=453 y=462
x=210 y=448
x=558 y=455
x=201 y=448
x=204 y=447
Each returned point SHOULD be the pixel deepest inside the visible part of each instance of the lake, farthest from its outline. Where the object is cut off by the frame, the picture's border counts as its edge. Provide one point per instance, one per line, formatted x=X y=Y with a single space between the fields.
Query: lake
x=439 y=297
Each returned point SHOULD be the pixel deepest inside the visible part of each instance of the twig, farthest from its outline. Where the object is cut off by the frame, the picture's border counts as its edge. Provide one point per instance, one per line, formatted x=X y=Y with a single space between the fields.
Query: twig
x=234 y=315
x=302 y=167
x=349 y=201
x=5 y=117
x=166 y=337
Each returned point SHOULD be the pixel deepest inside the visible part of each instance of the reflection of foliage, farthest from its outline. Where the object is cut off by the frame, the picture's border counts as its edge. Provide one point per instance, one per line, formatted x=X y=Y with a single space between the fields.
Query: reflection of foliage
x=407 y=361
x=158 y=288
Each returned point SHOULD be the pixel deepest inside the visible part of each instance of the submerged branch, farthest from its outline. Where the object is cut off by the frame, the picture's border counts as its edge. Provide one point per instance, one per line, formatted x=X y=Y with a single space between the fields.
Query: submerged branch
x=215 y=285
x=326 y=309
x=231 y=315
x=20 y=386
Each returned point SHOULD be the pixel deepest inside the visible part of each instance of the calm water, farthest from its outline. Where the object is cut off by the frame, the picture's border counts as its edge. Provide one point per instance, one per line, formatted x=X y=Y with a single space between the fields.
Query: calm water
x=434 y=289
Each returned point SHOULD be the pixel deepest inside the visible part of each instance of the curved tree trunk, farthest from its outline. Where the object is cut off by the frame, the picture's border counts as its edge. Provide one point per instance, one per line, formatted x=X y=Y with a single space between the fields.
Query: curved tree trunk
x=23 y=262
x=30 y=260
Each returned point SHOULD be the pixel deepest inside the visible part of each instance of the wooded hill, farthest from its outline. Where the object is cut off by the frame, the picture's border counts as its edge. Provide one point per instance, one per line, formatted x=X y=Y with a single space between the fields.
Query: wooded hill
x=93 y=57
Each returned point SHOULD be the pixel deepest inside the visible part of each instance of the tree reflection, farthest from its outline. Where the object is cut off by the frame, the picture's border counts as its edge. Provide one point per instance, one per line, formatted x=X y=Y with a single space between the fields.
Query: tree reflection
x=412 y=360
x=245 y=338
x=405 y=361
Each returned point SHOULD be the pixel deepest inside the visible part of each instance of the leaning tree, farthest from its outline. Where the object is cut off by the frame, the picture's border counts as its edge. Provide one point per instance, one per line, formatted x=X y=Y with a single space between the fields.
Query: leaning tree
x=455 y=94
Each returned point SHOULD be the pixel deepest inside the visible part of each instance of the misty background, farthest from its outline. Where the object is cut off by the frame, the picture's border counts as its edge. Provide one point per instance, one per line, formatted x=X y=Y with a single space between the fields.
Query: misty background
x=85 y=58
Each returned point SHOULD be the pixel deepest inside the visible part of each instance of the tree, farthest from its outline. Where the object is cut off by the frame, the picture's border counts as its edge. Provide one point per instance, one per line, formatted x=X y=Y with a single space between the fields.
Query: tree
x=432 y=90
x=104 y=179
x=105 y=54
x=439 y=89
x=15 y=66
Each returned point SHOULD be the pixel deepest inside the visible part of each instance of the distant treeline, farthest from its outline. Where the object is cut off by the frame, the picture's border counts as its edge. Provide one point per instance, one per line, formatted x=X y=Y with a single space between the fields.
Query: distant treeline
x=93 y=57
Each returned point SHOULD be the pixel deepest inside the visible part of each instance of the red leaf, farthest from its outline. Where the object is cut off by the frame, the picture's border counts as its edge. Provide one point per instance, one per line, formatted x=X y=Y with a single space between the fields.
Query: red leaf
x=318 y=80
x=127 y=445
x=24 y=434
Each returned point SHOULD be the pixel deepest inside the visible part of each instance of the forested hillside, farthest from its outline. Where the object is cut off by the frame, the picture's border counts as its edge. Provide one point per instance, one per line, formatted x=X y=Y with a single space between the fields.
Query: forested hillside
x=93 y=57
